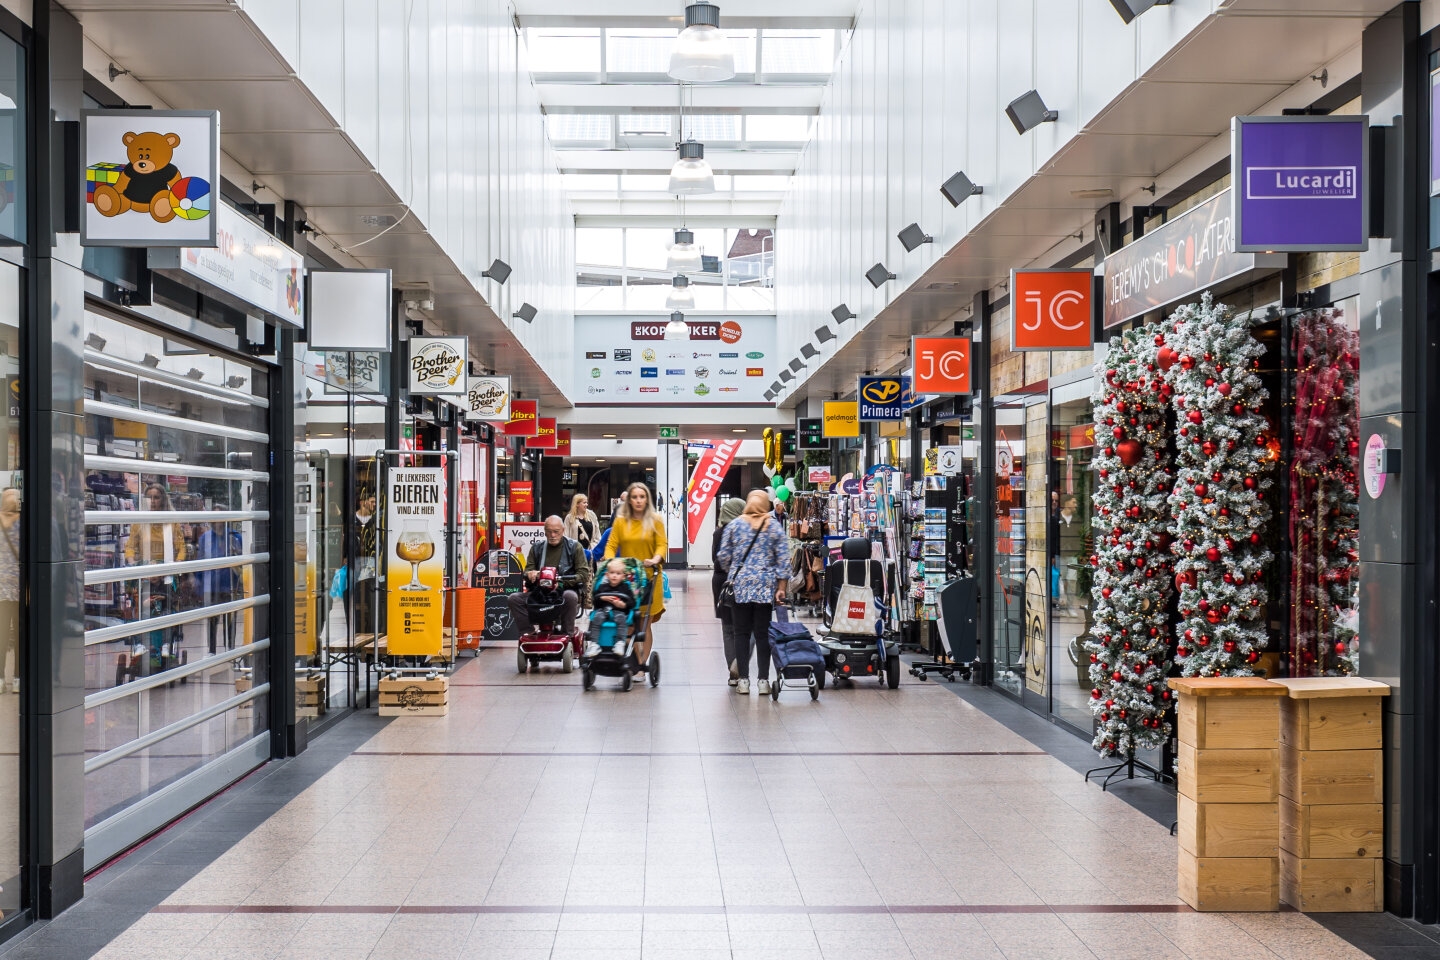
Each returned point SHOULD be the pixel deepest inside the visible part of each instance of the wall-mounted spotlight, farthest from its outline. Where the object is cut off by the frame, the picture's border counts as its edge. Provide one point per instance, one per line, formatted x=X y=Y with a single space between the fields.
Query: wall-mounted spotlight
x=878 y=275
x=1028 y=111
x=808 y=350
x=775 y=387
x=842 y=313
x=770 y=395
x=150 y=360
x=912 y=237
x=796 y=364
x=195 y=373
x=786 y=376
x=94 y=341
x=1130 y=9
x=824 y=334
x=526 y=313
x=958 y=188
x=499 y=271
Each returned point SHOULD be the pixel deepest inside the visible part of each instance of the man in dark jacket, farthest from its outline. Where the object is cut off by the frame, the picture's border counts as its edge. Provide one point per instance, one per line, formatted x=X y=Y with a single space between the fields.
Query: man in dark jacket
x=565 y=555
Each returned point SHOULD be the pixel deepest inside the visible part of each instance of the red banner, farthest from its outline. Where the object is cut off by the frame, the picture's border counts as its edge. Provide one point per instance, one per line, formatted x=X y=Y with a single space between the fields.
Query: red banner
x=562 y=444
x=705 y=482
x=522 y=497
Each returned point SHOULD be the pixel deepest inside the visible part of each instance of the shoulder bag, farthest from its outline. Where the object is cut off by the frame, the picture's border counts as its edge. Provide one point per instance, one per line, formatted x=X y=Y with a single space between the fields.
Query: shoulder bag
x=726 y=600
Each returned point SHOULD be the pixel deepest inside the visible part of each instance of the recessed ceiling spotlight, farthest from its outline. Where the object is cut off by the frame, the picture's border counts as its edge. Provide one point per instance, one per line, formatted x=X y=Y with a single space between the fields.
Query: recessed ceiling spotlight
x=1093 y=193
x=738 y=430
x=607 y=436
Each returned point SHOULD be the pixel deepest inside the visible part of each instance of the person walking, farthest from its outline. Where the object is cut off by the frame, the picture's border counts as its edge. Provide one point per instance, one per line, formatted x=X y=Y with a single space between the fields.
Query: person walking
x=756 y=552
x=729 y=511
x=638 y=533
x=582 y=526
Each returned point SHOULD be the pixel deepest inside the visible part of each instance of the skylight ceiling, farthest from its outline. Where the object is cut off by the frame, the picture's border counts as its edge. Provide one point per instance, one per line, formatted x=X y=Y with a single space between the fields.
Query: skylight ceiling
x=614 y=115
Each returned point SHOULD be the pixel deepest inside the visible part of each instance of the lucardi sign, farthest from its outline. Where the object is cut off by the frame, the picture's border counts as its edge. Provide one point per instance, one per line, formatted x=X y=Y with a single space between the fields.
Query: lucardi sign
x=1300 y=183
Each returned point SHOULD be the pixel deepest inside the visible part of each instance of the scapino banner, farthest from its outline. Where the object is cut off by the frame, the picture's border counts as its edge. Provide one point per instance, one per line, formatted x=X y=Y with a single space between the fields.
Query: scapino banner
x=705 y=483
x=415 y=561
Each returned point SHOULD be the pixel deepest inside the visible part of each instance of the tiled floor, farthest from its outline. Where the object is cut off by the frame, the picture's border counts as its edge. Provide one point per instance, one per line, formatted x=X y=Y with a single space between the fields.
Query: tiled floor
x=537 y=821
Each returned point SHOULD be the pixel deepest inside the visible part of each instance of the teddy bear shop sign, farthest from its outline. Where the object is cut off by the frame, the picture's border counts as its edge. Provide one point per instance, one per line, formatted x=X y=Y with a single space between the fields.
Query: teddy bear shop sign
x=150 y=178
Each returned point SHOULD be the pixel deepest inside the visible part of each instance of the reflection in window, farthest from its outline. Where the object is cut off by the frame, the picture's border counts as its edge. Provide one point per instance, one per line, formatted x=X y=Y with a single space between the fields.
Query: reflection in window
x=12 y=140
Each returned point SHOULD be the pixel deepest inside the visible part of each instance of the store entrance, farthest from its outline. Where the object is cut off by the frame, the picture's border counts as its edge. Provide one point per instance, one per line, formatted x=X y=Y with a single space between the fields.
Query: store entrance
x=1070 y=543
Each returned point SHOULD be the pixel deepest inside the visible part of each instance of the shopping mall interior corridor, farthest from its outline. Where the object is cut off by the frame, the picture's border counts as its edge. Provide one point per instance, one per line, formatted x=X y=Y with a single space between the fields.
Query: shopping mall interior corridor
x=539 y=821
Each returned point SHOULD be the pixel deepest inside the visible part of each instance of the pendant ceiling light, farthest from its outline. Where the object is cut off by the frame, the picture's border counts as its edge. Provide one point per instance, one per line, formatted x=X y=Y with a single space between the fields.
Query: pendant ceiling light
x=684 y=255
x=691 y=175
x=677 y=328
x=702 y=54
x=681 y=296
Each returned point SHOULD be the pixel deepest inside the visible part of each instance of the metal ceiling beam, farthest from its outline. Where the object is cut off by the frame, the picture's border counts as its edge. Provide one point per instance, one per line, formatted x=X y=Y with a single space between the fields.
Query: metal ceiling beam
x=663 y=99
x=612 y=212
x=778 y=162
x=591 y=21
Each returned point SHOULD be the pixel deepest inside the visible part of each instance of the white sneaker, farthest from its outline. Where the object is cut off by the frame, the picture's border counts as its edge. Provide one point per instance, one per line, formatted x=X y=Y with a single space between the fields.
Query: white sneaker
x=763 y=688
x=742 y=686
x=732 y=681
x=592 y=650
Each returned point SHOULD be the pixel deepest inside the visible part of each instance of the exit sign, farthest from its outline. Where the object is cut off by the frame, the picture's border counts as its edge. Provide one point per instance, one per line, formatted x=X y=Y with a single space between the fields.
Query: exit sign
x=669 y=433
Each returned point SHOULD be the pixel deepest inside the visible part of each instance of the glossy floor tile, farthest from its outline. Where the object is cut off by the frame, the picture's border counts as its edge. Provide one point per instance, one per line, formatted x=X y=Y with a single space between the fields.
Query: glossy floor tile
x=541 y=821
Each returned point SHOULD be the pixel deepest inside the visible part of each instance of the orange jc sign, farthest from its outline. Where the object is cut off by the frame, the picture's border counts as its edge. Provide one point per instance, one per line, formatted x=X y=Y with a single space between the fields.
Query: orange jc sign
x=1052 y=309
x=942 y=365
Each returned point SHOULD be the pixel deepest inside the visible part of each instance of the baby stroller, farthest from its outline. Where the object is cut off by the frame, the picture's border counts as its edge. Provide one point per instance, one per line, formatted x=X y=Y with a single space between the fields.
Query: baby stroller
x=545 y=641
x=616 y=656
x=857 y=638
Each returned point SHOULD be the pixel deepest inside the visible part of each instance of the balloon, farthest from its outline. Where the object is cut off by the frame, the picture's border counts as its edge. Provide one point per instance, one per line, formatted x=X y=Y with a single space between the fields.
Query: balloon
x=777 y=481
x=782 y=494
x=790 y=484
x=770 y=492
x=769 y=471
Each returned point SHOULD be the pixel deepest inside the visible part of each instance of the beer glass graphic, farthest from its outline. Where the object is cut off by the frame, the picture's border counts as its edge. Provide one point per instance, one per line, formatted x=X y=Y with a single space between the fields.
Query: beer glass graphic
x=415 y=545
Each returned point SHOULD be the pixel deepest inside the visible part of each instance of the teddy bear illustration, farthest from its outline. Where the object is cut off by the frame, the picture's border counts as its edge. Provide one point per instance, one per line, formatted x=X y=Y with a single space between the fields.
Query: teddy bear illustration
x=144 y=182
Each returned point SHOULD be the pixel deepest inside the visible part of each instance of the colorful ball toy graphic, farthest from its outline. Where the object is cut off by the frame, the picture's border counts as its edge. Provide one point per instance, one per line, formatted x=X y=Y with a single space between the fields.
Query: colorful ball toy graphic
x=190 y=198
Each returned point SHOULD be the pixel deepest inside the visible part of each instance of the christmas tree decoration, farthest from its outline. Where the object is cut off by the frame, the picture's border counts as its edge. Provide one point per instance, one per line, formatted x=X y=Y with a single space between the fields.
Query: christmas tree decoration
x=1218 y=518
x=1325 y=495
x=1129 y=639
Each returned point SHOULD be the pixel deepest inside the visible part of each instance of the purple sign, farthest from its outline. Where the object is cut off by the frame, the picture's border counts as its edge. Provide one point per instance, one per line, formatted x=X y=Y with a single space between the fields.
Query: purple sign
x=1300 y=183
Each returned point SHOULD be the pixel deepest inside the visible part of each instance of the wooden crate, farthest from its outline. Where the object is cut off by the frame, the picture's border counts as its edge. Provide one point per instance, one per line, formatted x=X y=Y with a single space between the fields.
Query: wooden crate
x=1230 y=723
x=1238 y=884
x=1332 y=776
x=1311 y=720
x=1228 y=829
x=311 y=696
x=1228 y=776
x=1332 y=886
x=414 y=697
x=1332 y=831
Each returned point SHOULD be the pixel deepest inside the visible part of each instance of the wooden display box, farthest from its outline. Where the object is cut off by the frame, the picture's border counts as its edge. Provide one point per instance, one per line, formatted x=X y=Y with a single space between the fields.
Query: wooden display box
x=1228 y=776
x=1230 y=723
x=407 y=697
x=1332 y=886
x=1227 y=829
x=1334 y=831
x=1332 y=713
x=1332 y=776
x=310 y=696
x=1230 y=884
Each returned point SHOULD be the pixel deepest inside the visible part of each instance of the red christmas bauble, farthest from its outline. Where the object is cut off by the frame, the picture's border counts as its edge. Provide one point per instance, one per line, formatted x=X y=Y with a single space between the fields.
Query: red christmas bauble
x=1201 y=489
x=1229 y=646
x=1209 y=447
x=1249 y=483
x=1224 y=389
x=1212 y=554
x=1187 y=362
x=1194 y=416
x=1130 y=452
x=1165 y=357
x=1117 y=433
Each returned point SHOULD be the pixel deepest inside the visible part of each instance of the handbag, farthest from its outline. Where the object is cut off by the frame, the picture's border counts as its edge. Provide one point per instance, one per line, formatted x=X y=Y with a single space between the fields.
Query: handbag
x=727 y=589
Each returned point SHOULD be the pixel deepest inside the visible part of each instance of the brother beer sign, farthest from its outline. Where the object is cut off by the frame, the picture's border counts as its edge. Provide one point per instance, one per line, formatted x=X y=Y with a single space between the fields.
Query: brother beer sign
x=1300 y=183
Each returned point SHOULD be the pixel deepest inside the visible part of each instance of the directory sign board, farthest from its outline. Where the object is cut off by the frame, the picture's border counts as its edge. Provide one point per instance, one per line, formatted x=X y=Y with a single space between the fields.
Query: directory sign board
x=1300 y=183
x=627 y=360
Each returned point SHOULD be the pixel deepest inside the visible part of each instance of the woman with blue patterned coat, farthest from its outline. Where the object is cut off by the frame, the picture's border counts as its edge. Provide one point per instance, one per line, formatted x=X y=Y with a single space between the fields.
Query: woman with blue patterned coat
x=757 y=554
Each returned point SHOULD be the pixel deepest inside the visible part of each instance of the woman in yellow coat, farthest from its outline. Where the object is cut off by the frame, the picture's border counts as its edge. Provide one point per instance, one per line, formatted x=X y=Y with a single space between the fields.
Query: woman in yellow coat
x=638 y=533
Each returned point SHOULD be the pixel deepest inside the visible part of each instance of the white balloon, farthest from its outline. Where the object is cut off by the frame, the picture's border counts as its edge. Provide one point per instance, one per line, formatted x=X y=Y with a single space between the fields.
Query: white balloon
x=770 y=492
x=790 y=482
x=769 y=471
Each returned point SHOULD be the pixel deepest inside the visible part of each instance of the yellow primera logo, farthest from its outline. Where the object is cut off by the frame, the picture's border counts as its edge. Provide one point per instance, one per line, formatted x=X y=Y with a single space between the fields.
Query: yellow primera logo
x=882 y=391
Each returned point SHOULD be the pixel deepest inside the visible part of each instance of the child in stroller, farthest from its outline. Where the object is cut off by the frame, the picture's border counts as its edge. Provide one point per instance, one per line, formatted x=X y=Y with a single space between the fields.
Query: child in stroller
x=613 y=601
x=613 y=652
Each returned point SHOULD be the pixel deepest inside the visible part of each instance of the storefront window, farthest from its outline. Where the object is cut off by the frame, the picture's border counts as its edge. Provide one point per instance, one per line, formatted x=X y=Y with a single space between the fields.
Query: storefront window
x=1072 y=447
x=176 y=560
x=1324 y=493
x=12 y=635
x=1009 y=610
x=12 y=139
x=344 y=431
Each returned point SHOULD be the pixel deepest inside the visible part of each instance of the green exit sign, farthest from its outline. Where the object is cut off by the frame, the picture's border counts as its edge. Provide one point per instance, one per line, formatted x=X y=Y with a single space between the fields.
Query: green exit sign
x=669 y=433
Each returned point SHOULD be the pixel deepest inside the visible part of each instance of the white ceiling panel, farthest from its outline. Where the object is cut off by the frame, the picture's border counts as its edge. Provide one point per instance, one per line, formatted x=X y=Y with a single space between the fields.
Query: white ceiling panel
x=256 y=105
x=211 y=43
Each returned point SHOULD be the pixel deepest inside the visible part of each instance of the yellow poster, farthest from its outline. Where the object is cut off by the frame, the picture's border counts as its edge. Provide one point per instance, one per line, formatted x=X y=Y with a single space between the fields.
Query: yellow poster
x=414 y=560
x=842 y=418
